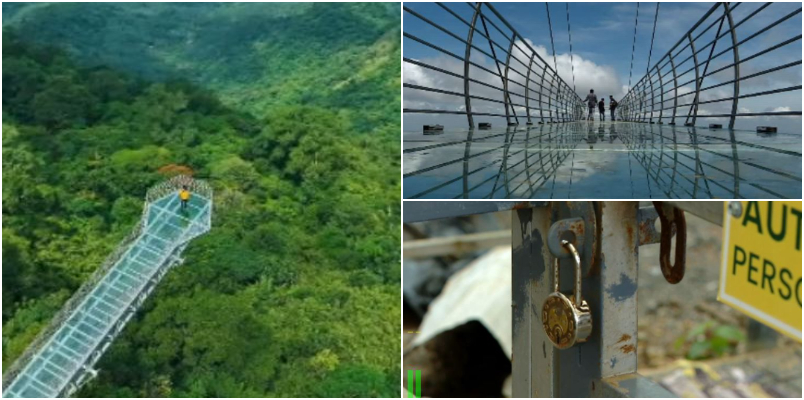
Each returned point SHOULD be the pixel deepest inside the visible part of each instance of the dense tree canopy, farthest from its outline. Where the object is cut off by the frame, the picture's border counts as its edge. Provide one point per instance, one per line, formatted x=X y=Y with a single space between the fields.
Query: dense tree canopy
x=295 y=291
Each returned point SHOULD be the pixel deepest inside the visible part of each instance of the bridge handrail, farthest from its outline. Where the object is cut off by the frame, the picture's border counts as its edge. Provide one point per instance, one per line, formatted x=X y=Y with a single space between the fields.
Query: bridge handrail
x=538 y=78
x=666 y=82
x=69 y=307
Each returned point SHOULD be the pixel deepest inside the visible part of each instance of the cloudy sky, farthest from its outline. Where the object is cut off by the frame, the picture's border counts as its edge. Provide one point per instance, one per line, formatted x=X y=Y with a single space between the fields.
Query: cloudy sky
x=602 y=35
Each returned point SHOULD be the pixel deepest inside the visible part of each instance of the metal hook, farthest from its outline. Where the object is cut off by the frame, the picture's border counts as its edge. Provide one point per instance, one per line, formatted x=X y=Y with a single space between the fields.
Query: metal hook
x=673 y=273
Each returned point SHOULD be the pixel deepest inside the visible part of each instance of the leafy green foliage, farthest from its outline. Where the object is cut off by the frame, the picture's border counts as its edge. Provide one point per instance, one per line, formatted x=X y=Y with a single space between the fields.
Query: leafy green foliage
x=709 y=339
x=295 y=291
x=257 y=56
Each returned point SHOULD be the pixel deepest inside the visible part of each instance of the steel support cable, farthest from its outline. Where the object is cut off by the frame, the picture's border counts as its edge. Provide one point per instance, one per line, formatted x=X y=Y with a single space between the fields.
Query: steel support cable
x=491 y=7
x=714 y=7
x=561 y=81
x=508 y=52
x=681 y=50
x=695 y=100
x=650 y=52
x=633 y=47
x=572 y=62
x=555 y=63
x=647 y=67
x=552 y=43
x=560 y=84
x=669 y=52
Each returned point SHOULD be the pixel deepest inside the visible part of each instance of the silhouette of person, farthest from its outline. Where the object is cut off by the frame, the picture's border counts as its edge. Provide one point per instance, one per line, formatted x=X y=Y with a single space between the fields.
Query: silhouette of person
x=591 y=100
x=612 y=106
x=601 y=106
x=184 y=196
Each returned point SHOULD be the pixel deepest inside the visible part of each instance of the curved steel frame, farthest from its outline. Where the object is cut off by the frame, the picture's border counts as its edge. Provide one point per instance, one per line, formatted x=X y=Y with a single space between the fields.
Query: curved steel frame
x=634 y=105
x=553 y=97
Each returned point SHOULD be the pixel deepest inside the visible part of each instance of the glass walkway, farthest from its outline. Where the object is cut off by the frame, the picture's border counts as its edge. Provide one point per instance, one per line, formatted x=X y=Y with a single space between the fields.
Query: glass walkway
x=62 y=356
x=594 y=160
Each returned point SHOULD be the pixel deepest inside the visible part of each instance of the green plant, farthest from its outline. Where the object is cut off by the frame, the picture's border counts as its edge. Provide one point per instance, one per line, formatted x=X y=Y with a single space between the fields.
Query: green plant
x=710 y=340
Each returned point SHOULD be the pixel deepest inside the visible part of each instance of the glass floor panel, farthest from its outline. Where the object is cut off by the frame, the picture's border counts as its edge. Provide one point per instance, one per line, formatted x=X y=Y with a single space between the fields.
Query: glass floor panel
x=582 y=160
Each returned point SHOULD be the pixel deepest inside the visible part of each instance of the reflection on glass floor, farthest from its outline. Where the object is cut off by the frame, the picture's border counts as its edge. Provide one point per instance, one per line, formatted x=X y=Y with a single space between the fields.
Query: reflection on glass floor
x=584 y=160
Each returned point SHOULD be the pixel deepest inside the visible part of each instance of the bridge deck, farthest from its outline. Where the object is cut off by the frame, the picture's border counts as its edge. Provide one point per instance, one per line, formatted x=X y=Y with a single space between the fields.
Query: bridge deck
x=76 y=344
x=601 y=160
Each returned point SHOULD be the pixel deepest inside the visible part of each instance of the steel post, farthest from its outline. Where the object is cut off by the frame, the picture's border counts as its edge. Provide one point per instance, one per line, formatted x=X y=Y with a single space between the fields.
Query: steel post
x=697 y=79
x=736 y=54
x=468 y=54
x=675 y=90
x=507 y=68
x=609 y=286
x=527 y=88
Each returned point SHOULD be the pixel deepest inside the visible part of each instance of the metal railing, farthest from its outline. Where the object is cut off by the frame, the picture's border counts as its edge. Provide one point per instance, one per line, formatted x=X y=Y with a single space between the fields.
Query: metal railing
x=674 y=88
x=520 y=86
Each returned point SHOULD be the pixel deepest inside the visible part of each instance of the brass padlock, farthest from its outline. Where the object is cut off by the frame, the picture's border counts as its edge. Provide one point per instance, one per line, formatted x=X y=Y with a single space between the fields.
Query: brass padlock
x=567 y=320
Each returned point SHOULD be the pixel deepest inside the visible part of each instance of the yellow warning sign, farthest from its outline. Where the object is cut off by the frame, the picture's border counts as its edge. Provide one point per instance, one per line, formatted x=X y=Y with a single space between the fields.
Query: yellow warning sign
x=761 y=263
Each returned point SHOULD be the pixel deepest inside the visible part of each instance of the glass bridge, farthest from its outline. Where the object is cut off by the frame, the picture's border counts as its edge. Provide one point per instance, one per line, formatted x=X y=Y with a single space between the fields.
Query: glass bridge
x=60 y=360
x=601 y=160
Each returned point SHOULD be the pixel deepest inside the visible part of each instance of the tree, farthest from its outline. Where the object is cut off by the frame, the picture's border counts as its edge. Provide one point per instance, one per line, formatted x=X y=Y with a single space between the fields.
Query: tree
x=63 y=103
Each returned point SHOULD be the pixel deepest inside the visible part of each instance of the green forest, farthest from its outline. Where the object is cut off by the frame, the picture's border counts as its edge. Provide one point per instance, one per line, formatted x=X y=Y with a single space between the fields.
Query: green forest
x=290 y=111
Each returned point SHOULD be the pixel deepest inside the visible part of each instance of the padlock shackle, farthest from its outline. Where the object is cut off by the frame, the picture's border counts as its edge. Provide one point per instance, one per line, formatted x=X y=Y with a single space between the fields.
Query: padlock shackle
x=576 y=325
x=577 y=259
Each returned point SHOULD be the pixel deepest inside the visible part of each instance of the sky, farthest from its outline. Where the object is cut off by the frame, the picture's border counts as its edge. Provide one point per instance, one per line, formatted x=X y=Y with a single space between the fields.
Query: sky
x=602 y=38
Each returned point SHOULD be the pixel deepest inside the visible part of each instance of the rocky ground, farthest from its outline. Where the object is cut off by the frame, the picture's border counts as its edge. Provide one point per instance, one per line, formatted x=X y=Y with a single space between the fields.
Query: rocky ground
x=668 y=312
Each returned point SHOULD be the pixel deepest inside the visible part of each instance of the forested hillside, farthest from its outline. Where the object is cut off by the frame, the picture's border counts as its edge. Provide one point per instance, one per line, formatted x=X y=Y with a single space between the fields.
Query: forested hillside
x=295 y=291
x=254 y=55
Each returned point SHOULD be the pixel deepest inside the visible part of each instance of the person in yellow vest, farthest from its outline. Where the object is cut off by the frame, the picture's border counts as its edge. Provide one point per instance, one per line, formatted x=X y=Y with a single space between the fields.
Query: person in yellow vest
x=184 y=196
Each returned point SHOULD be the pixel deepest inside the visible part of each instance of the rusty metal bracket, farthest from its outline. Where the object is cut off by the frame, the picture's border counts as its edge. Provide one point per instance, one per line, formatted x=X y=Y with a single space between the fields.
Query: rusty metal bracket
x=571 y=230
x=646 y=218
x=672 y=217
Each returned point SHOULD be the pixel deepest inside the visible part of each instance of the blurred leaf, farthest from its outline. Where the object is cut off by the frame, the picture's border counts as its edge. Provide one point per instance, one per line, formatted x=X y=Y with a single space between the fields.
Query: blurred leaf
x=679 y=343
x=729 y=333
x=698 y=330
x=719 y=345
x=699 y=350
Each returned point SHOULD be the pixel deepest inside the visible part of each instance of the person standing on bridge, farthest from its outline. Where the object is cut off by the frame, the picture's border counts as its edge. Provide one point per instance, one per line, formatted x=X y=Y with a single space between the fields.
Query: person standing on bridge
x=184 y=196
x=591 y=100
x=601 y=106
x=612 y=106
